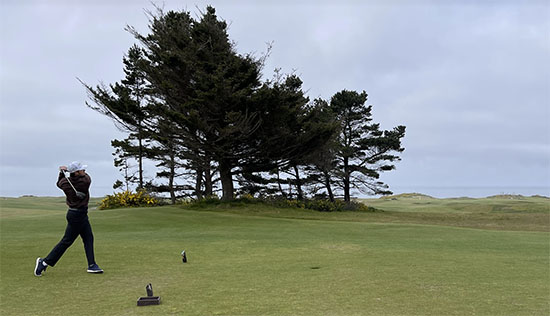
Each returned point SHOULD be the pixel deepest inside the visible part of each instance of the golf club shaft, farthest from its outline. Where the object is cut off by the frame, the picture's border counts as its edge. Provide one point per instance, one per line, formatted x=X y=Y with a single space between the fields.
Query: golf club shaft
x=75 y=191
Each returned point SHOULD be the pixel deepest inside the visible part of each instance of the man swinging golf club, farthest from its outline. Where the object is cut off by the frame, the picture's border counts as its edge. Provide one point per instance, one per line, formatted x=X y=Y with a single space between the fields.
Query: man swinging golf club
x=76 y=190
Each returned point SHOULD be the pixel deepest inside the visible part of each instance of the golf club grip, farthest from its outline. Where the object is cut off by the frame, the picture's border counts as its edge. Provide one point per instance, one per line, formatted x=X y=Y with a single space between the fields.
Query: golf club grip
x=69 y=181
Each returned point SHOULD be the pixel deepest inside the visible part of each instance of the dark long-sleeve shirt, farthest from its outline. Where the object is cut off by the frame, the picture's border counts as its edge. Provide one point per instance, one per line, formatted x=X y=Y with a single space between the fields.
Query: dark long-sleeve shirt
x=81 y=184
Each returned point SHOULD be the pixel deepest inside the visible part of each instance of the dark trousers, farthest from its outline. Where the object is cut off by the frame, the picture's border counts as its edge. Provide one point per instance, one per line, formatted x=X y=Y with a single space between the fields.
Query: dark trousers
x=77 y=224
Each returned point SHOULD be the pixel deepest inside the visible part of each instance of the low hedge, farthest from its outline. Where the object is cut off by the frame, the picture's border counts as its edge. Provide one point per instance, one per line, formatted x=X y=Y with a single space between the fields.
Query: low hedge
x=320 y=205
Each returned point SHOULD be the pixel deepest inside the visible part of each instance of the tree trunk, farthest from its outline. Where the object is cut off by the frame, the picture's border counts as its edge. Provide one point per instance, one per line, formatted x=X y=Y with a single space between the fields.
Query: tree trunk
x=126 y=177
x=198 y=183
x=298 y=183
x=279 y=184
x=328 y=187
x=346 y=181
x=289 y=188
x=208 y=180
x=171 y=178
x=227 y=180
x=140 y=160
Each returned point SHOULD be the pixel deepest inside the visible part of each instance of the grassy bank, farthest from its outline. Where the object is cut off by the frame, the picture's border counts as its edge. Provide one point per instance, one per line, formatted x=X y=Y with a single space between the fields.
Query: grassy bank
x=501 y=212
x=260 y=260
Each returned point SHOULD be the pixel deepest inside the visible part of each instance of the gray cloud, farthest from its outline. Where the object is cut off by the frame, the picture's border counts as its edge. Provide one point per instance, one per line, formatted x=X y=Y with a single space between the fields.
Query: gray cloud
x=470 y=80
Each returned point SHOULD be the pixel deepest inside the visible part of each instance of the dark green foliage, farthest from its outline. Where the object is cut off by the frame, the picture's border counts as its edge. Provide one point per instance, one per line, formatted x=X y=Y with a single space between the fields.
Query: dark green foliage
x=218 y=109
x=292 y=131
x=204 y=88
x=312 y=204
x=325 y=205
x=362 y=150
x=125 y=104
x=199 y=109
x=322 y=162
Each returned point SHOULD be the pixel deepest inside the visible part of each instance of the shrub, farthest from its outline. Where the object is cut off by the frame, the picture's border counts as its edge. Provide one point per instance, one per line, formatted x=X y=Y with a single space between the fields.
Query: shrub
x=321 y=205
x=128 y=199
x=247 y=198
x=337 y=206
x=325 y=205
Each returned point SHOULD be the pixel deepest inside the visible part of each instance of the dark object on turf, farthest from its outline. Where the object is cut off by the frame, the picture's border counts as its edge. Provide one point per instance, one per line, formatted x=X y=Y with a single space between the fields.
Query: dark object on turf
x=40 y=267
x=94 y=268
x=149 y=299
x=80 y=195
x=183 y=257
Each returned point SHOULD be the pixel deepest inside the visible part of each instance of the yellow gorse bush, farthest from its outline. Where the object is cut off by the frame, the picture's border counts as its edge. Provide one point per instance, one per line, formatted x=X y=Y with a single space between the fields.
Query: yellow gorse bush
x=128 y=199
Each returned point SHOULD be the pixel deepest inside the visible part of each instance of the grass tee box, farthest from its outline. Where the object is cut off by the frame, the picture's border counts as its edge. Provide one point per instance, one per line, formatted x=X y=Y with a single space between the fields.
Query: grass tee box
x=259 y=260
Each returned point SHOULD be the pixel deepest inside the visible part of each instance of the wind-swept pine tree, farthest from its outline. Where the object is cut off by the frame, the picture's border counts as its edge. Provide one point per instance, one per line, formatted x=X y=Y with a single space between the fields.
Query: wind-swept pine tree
x=124 y=103
x=205 y=88
x=207 y=107
x=290 y=131
x=321 y=163
x=362 y=150
x=220 y=113
x=165 y=151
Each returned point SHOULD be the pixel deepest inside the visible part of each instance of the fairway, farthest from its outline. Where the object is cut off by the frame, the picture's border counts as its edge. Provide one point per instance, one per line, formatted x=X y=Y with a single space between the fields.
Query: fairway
x=258 y=260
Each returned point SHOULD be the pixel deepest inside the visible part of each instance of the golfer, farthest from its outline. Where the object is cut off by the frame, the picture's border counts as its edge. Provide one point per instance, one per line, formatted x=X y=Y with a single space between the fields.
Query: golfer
x=76 y=190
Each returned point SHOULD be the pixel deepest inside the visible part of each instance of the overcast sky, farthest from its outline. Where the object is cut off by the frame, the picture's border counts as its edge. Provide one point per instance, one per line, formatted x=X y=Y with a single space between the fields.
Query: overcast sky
x=469 y=79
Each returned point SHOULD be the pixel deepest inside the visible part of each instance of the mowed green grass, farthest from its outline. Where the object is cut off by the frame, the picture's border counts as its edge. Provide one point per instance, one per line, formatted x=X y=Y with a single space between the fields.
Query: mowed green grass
x=259 y=260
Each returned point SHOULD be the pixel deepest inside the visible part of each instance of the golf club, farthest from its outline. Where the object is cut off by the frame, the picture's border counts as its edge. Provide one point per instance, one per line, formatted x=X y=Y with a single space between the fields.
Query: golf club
x=80 y=195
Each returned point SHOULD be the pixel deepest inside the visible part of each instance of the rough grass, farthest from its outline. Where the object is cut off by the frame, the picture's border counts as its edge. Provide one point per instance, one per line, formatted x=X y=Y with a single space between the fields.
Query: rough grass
x=494 y=213
x=502 y=212
x=260 y=260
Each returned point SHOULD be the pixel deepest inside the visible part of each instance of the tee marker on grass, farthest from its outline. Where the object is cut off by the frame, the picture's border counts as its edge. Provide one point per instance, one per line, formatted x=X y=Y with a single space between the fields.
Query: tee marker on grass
x=183 y=257
x=149 y=299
